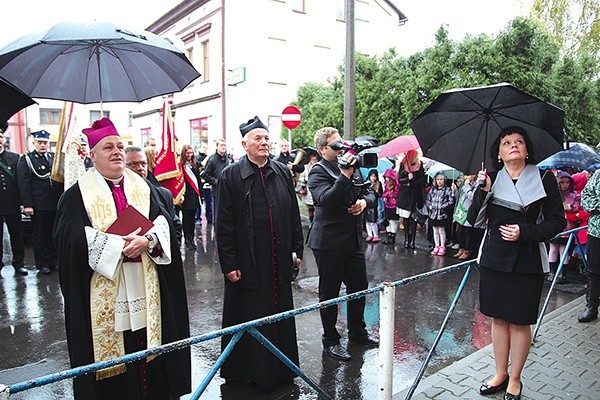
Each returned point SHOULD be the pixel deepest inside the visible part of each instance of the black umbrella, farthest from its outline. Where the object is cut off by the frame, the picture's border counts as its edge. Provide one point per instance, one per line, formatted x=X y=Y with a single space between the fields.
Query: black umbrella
x=94 y=63
x=12 y=100
x=461 y=124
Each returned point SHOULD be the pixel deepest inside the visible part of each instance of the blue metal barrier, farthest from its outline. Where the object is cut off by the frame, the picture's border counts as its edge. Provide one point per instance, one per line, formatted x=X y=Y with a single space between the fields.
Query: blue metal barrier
x=572 y=237
x=238 y=330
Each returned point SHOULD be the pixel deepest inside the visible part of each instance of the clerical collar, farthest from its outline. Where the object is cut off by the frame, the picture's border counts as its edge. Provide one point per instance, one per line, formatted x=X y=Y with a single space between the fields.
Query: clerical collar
x=116 y=182
x=259 y=165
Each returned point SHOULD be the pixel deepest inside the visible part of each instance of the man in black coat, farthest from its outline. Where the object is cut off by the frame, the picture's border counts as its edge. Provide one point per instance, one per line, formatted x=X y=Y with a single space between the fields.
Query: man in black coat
x=340 y=197
x=258 y=230
x=287 y=159
x=40 y=194
x=135 y=160
x=10 y=207
x=210 y=175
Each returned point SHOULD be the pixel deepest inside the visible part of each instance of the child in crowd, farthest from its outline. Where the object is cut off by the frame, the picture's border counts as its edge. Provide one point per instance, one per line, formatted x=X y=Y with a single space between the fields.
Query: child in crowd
x=571 y=205
x=580 y=180
x=372 y=212
x=390 y=192
x=440 y=204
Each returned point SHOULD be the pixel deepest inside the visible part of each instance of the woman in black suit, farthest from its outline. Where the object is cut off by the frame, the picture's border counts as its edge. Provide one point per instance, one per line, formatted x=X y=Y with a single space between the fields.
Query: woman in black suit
x=191 y=199
x=523 y=207
x=411 y=194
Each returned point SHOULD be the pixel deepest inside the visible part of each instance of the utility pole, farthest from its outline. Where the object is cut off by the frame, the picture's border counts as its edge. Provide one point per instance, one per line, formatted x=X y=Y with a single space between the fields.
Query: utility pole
x=350 y=75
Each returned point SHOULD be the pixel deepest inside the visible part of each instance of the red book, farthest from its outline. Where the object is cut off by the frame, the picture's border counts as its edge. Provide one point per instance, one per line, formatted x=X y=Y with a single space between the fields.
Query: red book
x=129 y=220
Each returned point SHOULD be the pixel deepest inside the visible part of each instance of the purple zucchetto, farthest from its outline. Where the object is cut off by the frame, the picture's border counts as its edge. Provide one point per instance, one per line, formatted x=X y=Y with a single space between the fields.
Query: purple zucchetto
x=100 y=129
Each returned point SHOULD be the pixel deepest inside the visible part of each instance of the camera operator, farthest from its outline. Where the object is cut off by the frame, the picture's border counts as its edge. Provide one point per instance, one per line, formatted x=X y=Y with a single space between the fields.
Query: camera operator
x=340 y=197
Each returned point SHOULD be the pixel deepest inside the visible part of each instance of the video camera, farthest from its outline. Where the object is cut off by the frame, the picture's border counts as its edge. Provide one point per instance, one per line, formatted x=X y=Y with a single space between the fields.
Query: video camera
x=363 y=160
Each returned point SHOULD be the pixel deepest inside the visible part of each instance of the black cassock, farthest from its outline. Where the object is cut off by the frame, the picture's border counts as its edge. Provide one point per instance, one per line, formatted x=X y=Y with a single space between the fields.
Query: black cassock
x=249 y=360
x=168 y=374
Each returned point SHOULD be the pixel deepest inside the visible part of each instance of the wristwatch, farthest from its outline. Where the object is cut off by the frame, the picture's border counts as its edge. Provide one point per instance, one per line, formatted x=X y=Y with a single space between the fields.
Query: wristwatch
x=151 y=243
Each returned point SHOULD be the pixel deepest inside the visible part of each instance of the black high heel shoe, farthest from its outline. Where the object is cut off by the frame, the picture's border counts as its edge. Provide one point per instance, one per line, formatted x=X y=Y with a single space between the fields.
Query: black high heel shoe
x=486 y=389
x=510 y=396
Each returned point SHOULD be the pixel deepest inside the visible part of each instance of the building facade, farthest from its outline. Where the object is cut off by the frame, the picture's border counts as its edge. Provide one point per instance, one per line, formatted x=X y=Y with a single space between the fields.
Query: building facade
x=253 y=56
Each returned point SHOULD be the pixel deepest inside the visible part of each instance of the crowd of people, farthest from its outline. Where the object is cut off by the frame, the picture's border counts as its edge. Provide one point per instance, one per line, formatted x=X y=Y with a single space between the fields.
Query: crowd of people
x=132 y=294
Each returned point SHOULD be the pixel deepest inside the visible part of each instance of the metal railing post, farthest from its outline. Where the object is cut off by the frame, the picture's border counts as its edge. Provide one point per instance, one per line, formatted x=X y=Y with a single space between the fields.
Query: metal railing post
x=215 y=368
x=556 y=275
x=461 y=287
x=387 y=303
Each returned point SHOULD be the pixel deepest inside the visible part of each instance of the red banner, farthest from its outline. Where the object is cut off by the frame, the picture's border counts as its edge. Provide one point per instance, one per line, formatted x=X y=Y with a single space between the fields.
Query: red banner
x=167 y=170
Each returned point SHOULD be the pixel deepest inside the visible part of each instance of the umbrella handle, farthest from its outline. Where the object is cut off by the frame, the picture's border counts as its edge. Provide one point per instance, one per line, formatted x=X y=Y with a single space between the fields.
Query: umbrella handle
x=482 y=182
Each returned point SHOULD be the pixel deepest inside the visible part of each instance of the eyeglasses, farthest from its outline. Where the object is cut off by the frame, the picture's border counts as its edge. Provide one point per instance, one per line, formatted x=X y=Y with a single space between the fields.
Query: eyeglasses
x=337 y=145
x=134 y=164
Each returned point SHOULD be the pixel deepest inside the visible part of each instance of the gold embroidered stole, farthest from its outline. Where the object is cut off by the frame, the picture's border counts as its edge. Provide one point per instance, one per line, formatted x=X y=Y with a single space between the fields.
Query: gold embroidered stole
x=102 y=211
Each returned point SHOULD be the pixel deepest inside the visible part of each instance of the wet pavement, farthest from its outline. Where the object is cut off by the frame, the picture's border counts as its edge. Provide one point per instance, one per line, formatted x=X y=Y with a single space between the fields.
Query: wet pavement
x=32 y=338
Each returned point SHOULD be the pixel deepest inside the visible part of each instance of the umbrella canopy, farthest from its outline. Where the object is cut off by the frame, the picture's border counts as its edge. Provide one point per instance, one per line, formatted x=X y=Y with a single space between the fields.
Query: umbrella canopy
x=448 y=171
x=95 y=62
x=579 y=155
x=383 y=164
x=399 y=145
x=12 y=100
x=461 y=124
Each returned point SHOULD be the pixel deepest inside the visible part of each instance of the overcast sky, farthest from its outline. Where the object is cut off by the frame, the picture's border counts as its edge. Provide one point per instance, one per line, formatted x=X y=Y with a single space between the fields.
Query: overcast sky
x=21 y=17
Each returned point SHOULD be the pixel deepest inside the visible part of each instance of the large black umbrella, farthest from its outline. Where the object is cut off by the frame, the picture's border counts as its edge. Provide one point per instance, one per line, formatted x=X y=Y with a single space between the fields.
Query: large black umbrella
x=94 y=63
x=461 y=124
x=12 y=100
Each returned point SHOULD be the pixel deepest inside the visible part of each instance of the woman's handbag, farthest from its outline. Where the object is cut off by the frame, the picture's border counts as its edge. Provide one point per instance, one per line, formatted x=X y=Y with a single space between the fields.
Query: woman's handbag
x=420 y=214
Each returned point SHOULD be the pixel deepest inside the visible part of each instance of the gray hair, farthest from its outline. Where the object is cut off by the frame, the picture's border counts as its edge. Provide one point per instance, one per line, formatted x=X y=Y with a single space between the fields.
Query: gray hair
x=323 y=134
x=132 y=149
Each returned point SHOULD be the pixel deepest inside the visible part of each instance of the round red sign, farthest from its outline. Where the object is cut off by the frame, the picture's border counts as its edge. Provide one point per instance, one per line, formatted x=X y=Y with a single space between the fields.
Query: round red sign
x=291 y=117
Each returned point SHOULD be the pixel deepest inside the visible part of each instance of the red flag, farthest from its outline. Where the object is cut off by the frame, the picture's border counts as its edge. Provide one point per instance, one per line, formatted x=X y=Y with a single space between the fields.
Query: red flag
x=168 y=171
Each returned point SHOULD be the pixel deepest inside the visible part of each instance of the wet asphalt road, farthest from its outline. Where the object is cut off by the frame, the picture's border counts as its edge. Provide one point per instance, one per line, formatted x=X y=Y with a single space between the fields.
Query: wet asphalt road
x=32 y=339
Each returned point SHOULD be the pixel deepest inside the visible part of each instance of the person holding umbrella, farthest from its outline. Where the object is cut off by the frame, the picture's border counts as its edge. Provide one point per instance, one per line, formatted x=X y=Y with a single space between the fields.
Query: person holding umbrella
x=411 y=194
x=524 y=209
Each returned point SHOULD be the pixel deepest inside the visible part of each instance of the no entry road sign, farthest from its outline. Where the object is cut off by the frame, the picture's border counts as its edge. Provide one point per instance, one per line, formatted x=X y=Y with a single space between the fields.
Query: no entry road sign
x=291 y=117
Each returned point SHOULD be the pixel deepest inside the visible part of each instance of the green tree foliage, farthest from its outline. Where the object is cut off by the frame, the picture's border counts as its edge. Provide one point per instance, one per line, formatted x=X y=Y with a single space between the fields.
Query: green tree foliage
x=574 y=24
x=391 y=90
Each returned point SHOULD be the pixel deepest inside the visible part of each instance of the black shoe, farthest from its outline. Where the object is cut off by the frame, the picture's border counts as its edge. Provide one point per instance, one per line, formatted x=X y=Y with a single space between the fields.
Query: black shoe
x=510 y=396
x=588 y=315
x=367 y=341
x=338 y=352
x=21 y=271
x=486 y=389
x=44 y=270
x=561 y=280
x=190 y=245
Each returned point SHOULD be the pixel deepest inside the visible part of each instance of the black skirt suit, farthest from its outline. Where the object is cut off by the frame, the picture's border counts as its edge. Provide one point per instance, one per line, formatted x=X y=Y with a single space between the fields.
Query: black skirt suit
x=512 y=274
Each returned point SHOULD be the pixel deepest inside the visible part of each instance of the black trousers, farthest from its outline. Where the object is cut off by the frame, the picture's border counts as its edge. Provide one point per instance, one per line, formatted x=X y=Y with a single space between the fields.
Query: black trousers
x=13 y=222
x=336 y=268
x=189 y=224
x=44 y=252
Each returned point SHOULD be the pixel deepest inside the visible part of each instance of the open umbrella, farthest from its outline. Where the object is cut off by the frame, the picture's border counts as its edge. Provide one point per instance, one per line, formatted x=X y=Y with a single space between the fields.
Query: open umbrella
x=95 y=62
x=448 y=171
x=459 y=126
x=399 y=145
x=383 y=164
x=579 y=155
x=12 y=100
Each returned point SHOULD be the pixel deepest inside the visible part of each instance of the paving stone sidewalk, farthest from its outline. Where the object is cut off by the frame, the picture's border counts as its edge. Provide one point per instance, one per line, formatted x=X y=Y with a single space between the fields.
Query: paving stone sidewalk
x=564 y=363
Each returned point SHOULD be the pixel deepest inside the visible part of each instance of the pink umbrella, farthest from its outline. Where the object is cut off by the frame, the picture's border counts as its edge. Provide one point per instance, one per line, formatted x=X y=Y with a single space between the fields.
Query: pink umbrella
x=399 y=145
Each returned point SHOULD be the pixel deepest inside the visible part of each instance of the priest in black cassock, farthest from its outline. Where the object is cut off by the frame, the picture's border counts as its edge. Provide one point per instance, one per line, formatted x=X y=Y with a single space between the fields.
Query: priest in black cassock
x=121 y=294
x=258 y=228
